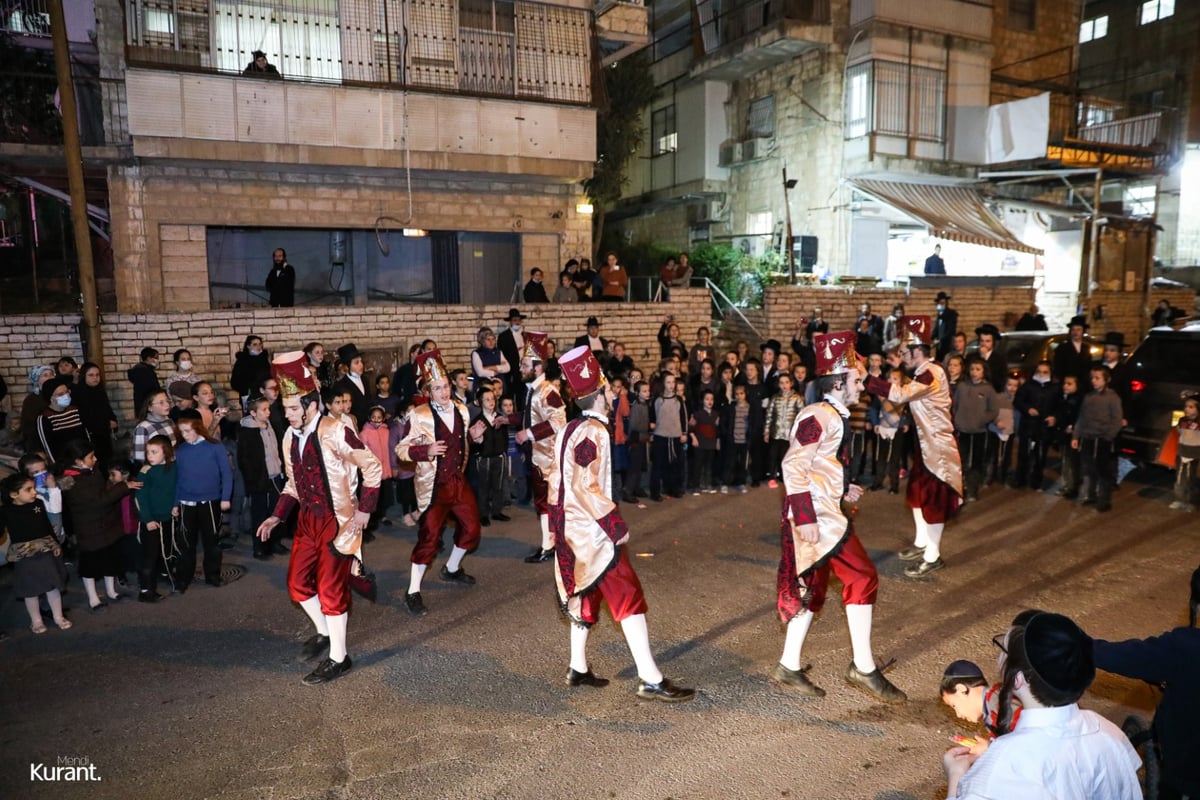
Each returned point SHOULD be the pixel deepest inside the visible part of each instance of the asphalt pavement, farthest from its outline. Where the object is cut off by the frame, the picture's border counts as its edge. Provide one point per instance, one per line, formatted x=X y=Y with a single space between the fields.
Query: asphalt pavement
x=200 y=696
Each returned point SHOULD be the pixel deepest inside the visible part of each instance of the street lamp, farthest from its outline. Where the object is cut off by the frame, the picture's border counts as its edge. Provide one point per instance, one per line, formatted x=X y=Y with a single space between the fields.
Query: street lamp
x=787 y=206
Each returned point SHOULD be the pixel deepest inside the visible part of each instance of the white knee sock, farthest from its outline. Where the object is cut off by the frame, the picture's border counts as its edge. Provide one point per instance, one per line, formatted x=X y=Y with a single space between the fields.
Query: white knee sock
x=54 y=598
x=89 y=585
x=35 y=611
x=933 y=550
x=579 y=637
x=922 y=539
x=110 y=587
x=414 y=578
x=858 y=618
x=797 y=629
x=455 y=560
x=336 y=625
x=312 y=607
x=547 y=539
x=637 y=635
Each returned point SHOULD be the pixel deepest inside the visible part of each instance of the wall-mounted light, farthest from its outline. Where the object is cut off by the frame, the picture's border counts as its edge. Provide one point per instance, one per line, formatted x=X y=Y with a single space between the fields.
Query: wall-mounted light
x=415 y=232
x=584 y=208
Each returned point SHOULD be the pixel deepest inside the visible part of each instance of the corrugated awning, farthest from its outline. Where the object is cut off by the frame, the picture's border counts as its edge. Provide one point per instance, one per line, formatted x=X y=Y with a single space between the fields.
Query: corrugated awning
x=952 y=211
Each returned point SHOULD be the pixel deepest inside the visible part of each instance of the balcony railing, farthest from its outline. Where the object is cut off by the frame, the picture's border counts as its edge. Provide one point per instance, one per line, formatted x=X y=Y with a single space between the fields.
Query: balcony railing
x=505 y=48
x=26 y=17
x=723 y=22
x=1140 y=131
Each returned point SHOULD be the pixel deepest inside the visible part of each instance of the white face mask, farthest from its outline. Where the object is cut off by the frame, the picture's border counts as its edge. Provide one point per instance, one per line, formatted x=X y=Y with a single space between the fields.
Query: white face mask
x=516 y=326
x=1042 y=378
x=941 y=307
x=185 y=365
x=62 y=401
x=256 y=351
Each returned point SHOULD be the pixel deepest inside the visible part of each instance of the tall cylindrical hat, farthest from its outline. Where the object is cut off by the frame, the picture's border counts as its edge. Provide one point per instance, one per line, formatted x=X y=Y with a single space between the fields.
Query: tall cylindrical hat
x=915 y=330
x=535 y=346
x=835 y=352
x=291 y=371
x=581 y=371
x=430 y=367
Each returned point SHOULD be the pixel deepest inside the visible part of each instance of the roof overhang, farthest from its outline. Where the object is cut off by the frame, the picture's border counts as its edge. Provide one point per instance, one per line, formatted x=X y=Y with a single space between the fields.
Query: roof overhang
x=952 y=209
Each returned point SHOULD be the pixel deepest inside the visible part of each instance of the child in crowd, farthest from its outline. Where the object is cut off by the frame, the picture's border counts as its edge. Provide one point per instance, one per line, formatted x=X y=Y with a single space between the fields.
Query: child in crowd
x=954 y=372
x=668 y=422
x=781 y=413
x=738 y=429
x=705 y=426
x=375 y=435
x=384 y=397
x=158 y=515
x=860 y=435
x=514 y=464
x=339 y=408
x=35 y=550
x=1187 y=453
x=1000 y=432
x=1066 y=411
x=489 y=441
x=965 y=690
x=1095 y=437
x=891 y=424
x=94 y=510
x=260 y=464
x=181 y=399
x=33 y=465
x=403 y=472
x=156 y=421
x=800 y=379
x=1034 y=402
x=131 y=554
x=974 y=409
x=619 y=424
x=637 y=441
x=202 y=492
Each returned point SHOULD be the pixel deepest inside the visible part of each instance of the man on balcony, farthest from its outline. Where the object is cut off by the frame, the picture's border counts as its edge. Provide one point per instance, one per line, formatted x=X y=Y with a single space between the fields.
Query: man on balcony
x=259 y=68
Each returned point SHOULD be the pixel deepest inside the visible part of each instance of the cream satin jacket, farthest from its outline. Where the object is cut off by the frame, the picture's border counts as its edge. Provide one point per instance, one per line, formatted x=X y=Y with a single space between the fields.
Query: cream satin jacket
x=928 y=396
x=421 y=432
x=547 y=416
x=815 y=480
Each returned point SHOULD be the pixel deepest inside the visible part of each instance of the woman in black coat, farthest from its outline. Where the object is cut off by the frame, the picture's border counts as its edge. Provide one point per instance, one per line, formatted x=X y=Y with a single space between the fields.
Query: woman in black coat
x=251 y=365
x=91 y=398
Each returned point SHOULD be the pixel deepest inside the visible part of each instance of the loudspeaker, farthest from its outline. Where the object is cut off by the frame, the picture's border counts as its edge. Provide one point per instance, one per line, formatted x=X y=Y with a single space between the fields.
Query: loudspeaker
x=804 y=249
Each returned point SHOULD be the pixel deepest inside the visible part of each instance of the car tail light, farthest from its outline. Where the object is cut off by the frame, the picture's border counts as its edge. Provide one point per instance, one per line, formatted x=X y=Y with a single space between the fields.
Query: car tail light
x=1128 y=451
x=1137 y=386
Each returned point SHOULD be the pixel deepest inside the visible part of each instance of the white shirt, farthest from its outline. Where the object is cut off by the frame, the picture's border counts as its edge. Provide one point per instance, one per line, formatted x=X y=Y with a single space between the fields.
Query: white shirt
x=306 y=431
x=1056 y=754
x=357 y=381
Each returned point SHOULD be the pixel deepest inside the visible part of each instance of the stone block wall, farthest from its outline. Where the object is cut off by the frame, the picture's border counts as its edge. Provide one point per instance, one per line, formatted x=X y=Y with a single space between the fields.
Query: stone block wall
x=1127 y=312
x=215 y=336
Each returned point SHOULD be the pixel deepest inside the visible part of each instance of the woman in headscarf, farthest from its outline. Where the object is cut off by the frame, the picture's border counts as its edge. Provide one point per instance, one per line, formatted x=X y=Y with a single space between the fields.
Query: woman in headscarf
x=91 y=398
x=61 y=422
x=34 y=404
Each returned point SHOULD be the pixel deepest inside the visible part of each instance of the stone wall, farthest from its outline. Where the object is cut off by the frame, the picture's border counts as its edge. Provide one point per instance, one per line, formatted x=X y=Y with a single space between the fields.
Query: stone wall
x=1127 y=312
x=215 y=336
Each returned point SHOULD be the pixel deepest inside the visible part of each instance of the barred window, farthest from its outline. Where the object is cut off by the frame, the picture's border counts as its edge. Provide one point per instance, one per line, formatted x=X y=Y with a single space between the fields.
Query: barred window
x=760 y=121
x=663 y=132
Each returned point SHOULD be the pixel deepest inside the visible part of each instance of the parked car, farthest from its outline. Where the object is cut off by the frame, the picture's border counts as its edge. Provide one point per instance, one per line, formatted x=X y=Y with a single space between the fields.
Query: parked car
x=1150 y=382
x=1024 y=349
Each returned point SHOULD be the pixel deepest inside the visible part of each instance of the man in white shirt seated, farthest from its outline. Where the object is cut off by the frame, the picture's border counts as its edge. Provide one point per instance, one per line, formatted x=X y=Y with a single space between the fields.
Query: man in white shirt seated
x=1057 y=751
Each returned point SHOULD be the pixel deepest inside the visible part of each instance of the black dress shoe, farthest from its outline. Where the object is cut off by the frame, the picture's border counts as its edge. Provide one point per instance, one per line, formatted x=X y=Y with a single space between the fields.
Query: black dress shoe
x=458 y=576
x=484 y=522
x=1088 y=501
x=217 y=582
x=664 y=691
x=416 y=606
x=538 y=556
x=656 y=498
x=314 y=646
x=149 y=597
x=328 y=670
x=262 y=555
x=227 y=544
x=501 y=517
x=923 y=568
x=585 y=679
x=101 y=606
x=911 y=553
x=280 y=549
x=875 y=684
x=796 y=679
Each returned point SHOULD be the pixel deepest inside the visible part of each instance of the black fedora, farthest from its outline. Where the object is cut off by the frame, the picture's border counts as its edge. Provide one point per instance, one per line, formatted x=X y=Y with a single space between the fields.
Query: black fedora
x=988 y=327
x=1115 y=338
x=348 y=352
x=940 y=297
x=592 y=321
x=772 y=345
x=1078 y=319
x=514 y=314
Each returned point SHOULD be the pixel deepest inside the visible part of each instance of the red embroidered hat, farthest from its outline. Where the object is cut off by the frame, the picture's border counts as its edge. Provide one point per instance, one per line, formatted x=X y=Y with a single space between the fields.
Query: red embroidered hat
x=915 y=330
x=582 y=371
x=291 y=372
x=430 y=367
x=535 y=346
x=835 y=352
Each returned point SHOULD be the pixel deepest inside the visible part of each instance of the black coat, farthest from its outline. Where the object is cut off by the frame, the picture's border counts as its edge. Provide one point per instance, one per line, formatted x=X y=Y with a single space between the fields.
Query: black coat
x=145 y=382
x=252 y=459
x=97 y=414
x=535 y=293
x=945 y=325
x=249 y=371
x=93 y=508
x=281 y=284
x=1069 y=362
x=1043 y=397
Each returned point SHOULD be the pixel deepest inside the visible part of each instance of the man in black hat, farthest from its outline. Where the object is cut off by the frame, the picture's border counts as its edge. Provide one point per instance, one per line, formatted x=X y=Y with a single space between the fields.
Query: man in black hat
x=1114 y=347
x=259 y=67
x=511 y=342
x=1057 y=749
x=990 y=354
x=594 y=341
x=944 y=326
x=354 y=383
x=1073 y=357
x=770 y=350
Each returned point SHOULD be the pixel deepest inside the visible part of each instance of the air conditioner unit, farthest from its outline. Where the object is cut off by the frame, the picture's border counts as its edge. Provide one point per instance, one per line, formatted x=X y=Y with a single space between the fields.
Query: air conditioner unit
x=752 y=246
x=750 y=149
x=729 y=154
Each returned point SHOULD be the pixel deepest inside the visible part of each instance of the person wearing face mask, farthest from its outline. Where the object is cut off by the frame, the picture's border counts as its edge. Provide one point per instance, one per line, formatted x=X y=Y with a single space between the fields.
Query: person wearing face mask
x=891 y=327
x=144 y=377
x=1035 y=402
x=183 y=368
x=511 y=342
x=61 y=422
x=251 y=365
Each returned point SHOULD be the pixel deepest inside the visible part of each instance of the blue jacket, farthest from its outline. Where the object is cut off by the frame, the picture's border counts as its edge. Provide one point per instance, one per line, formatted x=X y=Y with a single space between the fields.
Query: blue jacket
x=204 y=472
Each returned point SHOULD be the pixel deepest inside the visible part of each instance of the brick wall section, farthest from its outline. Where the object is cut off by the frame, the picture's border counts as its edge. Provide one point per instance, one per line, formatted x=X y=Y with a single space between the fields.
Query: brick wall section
x=215 y=336
x=1127 y=312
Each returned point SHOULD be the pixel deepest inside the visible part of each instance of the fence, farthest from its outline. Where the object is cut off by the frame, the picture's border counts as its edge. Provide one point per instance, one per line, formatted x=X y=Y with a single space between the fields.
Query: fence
x=25 y=17
x=506 y=48
x=722 y=22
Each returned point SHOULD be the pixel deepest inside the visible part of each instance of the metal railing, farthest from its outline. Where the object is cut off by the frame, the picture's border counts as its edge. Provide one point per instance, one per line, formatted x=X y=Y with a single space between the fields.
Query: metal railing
x=25 y=17
x=718 y=297
x=1140 y=131
x=505 y=48
x=722 y=21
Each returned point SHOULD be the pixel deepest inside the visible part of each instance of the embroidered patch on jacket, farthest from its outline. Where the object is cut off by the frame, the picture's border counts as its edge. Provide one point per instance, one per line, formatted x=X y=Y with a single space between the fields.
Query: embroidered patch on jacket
x=925 y=378
x=585 y=452
x=808 y=431
x=554 y=400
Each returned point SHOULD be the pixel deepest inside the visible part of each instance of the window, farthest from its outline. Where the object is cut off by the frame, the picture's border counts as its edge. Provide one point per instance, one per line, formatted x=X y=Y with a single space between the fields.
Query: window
x=664 y=138
x=760 y=122
x=893 y=98
x=1093 y=29
x=1140 y=200
x=1154 y=10
x=760 y=223
x=1022 y=14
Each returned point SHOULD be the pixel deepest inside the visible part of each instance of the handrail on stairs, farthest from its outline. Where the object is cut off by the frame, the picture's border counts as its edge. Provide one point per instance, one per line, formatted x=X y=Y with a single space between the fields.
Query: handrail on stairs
x=715 y=293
